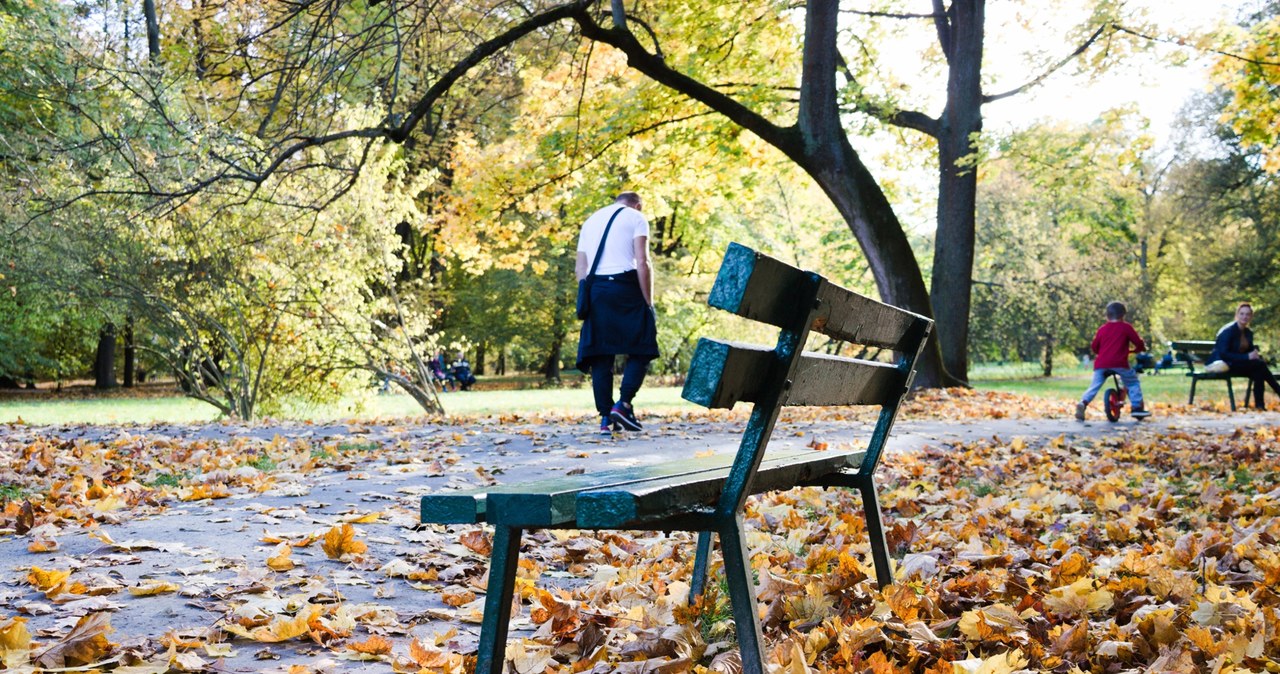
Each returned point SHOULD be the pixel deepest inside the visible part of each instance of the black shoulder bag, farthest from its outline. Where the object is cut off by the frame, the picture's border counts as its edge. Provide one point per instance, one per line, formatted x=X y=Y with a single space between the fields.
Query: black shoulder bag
x=584 y=286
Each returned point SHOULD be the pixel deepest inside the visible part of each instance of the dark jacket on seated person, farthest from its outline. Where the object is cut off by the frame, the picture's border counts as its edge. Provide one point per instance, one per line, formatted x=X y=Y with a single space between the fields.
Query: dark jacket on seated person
x=1227 y=346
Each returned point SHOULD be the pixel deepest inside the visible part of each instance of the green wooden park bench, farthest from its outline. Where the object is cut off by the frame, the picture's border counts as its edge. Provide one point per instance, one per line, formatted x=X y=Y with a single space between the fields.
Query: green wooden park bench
x=707 y=494
x=1192 y=352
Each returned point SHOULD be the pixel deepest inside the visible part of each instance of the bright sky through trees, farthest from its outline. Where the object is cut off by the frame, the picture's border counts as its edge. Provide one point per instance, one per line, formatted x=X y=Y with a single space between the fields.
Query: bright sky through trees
x=1157 y=83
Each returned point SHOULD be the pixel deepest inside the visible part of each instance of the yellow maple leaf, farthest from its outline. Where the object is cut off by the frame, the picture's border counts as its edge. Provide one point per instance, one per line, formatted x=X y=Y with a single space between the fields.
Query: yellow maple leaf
x=457 y=596
x=374 y=645
x=998 y=618
x=152 y=588
x=1078 y=599
x=1003 y=663
x=42 y=545
x=282 y=628
x=50 y=582
x=84 y=644
x=281 y=561
x=341 y=541
x=1111 y=502
x=15 y=642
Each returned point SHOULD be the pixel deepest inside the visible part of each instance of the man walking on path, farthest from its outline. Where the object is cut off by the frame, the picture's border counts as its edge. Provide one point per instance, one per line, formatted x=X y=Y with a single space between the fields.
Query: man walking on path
x=613 y=249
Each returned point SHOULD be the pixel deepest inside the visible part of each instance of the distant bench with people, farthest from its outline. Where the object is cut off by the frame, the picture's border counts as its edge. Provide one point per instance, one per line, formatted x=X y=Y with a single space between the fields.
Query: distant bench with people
x=1197 y=352
x=1238 y=355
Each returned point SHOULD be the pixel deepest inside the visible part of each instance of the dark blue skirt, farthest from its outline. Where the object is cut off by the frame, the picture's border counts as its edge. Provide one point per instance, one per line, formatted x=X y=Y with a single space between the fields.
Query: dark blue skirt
x=620 y=322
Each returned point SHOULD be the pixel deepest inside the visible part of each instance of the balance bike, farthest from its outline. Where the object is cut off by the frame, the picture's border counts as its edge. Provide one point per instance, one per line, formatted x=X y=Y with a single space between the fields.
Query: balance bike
x=1113 y=398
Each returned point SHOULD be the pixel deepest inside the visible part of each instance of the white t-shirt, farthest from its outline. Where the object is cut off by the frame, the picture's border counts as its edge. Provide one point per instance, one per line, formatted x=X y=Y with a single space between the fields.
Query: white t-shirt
x=619 y=250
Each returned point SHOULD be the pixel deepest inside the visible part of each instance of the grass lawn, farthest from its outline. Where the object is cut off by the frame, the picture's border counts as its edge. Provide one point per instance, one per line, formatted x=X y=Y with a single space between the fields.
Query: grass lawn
x=499 y=397
x=179 y=409
x=1167 y=387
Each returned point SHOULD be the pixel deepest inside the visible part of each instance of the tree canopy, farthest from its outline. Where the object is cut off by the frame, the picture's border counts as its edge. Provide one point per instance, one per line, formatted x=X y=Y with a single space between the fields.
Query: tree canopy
x=291 y=200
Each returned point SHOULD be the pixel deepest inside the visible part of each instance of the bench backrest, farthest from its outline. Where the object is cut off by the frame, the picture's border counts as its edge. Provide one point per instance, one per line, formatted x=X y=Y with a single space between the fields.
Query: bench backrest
x=1192 y=351
x=762 y=288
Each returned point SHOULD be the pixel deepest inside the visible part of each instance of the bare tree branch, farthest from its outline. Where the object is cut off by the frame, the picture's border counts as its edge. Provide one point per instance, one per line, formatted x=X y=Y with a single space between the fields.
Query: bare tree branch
x=1182 y=43
x=888 y=15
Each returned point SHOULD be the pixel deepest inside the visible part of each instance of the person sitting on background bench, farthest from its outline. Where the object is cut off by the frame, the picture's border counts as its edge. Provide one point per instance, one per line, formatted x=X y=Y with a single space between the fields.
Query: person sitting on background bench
x=1234 y=346
x=460 y=373
x=1111 y=343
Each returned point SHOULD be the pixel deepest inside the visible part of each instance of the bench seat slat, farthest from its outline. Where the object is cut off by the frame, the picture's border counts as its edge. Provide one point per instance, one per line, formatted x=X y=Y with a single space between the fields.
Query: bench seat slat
x=552 y=502
x=724 y=373
x=637 y=504
x=471 y=506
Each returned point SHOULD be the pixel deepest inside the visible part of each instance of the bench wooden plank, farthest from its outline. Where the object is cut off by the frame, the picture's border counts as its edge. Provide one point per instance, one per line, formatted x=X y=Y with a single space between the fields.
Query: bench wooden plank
x=748 y=282
x=625 y=506
x=724 y=373
x=845 y=315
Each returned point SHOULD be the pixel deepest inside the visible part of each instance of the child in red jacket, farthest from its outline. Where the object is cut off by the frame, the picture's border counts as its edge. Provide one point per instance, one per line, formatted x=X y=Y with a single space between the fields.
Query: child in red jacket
x=1112 y=346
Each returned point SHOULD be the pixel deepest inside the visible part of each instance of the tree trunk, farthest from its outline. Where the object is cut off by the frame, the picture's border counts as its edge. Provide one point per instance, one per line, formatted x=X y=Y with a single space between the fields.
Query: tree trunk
x=551 y=368
x=502 y=361
x=104 y=362
x=153 y=30
x=130 y=354
x=1048 y=356
x=961 y=121
x=480 y=354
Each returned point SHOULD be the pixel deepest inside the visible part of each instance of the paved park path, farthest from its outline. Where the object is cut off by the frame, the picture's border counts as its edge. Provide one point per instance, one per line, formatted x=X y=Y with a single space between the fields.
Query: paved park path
x=215 y=550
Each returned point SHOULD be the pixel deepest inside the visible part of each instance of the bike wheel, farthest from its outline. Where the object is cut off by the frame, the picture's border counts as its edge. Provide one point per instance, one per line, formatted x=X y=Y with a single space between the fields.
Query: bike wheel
x=1111 y=404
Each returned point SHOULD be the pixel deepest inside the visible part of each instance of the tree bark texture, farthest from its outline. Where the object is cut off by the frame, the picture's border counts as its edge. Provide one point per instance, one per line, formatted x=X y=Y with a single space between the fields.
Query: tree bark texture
x=960 y=32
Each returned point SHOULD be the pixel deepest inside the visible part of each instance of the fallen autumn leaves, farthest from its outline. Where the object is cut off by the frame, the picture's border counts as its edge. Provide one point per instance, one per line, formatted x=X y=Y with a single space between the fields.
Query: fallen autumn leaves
x=1141 y=552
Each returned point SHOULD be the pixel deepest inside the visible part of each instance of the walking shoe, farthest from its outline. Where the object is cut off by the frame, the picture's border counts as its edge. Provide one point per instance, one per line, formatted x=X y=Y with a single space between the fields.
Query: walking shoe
x=625 y=416
x=1140 y=412
x=1080 y=411
x=607 y=426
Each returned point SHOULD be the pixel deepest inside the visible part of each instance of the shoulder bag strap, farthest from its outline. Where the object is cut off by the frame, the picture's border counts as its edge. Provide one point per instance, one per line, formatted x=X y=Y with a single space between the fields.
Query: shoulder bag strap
x=596 y=262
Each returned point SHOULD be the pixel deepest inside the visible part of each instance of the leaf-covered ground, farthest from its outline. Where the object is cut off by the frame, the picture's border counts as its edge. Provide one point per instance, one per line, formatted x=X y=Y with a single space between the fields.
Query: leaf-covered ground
x=1130 y=548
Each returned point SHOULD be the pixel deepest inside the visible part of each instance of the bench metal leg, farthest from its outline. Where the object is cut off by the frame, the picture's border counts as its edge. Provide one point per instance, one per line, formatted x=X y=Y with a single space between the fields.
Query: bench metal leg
x=1248 y=393
x=491 y=656
x=1231 y=396
x=742 y=595
x=701 y=565
x=875 y=531
x=1192 y=398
